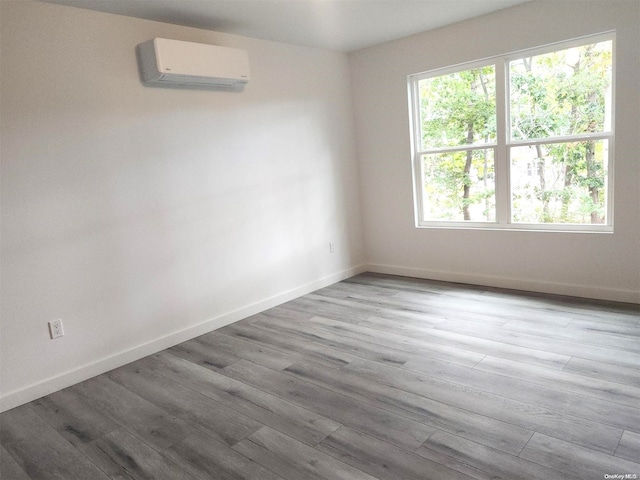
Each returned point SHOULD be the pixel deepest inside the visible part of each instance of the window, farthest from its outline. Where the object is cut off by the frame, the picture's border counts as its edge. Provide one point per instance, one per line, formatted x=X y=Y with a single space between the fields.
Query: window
x=522 y=141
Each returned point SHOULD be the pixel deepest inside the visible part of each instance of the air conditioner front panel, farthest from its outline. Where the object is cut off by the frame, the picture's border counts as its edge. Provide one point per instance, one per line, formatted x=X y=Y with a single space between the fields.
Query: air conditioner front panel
x=177 y=62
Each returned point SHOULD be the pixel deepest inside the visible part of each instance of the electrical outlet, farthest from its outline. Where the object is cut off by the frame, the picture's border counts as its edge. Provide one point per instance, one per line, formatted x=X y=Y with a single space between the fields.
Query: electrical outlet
x=55 y=328
x=332 y=247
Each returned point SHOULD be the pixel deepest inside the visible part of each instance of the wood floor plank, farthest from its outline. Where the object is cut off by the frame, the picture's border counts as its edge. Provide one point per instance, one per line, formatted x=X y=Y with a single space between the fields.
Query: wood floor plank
x=9 y=468
x=294 y=460
x=285 y=343
x=540 y=302
x=474 y=309
x=404 y=343
x=20 y=423
x=198 y=410
x=382 y=460
x=574 y=460
x=501 y=435
x=430 y=312
x=137 y=415
x=519 y=352
x=414 y=284
x=624 y=325
x=526 y=415
x=385 y=425
x=501 y=308
x=293 y=420
x=598 y=311
x=322 y=306
x=543 y=318
x=345 y=289
x=604 y=371
x=48 y=455
x=72 y=418
x=351 y=346
x=612 y=411
x=629 y=447
x=432 y=342
x=495 y=463
x=455 y=464
x=121 y=455
x=348 y=311
x=207 y=459
x=540 y=343
x=219 y=342
x=284 y=313
x=203 y=355
x=442 y=289
x=400 y=326
x=563 y=380
x=581 y=336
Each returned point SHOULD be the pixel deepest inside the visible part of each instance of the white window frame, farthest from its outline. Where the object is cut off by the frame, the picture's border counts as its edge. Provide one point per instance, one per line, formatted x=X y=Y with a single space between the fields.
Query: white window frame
x=503 y=143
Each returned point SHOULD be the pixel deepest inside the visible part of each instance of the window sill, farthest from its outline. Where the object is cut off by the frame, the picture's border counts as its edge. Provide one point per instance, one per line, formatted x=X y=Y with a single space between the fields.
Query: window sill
x=530 y=228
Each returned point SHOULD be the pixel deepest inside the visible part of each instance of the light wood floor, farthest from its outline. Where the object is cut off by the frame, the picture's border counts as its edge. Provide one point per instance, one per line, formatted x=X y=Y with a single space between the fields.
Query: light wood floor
x=376 y=377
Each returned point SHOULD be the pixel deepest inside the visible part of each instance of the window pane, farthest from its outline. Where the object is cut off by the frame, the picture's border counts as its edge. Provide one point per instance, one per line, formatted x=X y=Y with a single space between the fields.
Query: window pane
x=459 y=186
x=560 y=183
x=458 y=109
x=566 y=92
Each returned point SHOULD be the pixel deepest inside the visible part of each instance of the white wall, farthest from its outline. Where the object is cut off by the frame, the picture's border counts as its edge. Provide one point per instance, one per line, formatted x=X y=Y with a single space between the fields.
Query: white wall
x=144 y=216
x=598 y=265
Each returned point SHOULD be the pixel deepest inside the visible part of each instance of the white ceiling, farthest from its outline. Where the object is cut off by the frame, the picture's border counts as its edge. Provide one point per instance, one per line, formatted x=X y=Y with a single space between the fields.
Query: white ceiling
x=342 y=25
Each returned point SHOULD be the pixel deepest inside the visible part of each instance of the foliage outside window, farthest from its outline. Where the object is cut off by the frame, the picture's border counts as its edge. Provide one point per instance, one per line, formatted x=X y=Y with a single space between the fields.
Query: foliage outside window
x=520 y=141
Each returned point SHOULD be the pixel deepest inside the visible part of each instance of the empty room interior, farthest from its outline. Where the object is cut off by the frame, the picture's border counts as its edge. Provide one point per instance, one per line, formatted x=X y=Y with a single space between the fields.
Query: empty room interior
x=403 y=242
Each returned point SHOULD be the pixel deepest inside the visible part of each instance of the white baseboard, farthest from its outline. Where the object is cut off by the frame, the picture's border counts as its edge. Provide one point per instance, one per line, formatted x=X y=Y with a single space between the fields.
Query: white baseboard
x=599 y=293
x=84 y=372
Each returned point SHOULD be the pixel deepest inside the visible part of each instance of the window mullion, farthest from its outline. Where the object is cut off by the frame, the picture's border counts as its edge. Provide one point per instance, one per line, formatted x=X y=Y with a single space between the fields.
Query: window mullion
x=458 y=148
x=501 y=154
x=582 y=137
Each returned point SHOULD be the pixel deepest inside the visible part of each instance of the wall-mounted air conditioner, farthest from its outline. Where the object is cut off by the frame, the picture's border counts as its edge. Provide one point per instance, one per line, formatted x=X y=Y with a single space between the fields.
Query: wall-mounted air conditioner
x=174 y=62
